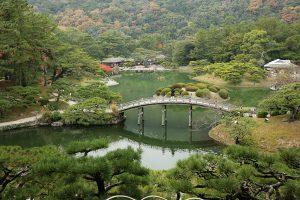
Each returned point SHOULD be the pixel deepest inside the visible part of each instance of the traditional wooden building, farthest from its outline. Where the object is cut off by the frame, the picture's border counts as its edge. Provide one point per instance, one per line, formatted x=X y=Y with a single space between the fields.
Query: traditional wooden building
x=114 y=62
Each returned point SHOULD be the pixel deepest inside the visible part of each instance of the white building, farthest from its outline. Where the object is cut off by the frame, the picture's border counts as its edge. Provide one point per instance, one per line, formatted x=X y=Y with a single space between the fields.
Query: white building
x=278 y=65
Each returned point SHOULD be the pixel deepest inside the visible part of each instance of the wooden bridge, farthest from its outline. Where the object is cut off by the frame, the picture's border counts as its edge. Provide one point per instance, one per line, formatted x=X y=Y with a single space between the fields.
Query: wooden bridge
x=164 y=101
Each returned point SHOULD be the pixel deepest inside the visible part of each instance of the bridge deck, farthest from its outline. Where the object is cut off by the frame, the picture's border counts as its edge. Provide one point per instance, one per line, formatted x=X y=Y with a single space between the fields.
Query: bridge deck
x=173 y=101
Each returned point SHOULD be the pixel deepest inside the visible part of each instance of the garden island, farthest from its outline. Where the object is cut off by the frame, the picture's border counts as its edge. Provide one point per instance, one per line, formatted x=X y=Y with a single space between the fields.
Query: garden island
x=150 y=99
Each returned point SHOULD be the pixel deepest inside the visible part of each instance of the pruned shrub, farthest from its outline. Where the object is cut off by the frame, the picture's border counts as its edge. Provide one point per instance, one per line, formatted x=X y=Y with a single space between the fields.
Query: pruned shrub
x=46 y=117
x=201 y=85
x=55 y=116
x=191 y=88
x=43 y=101
x=223 y=94
x=275 y=113
x=165 y=91
x=168 y=94
x=178 y=85
x=203 y=93
x=53 y=105
x=177 y=93
x=184 y=93
x=213 y=88
x=4 y=107
x=158 y=91
x=262 y=114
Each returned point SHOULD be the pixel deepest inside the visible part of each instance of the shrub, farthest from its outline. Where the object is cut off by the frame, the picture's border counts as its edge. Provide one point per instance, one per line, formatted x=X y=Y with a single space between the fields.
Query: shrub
x=184 y=93
x=203 y=93
x=168 y=94
x=191 y=88
x=43 y=101
x=201 y=85
x=53 y=105
x=275 y=113
x=223 y=94
x=114 y=108
x=55 y=116
x=213 y=88
x=158 y=92
x=165 y=91
x=177 y=93
x=178 y=85
x=46 y=118
x=262 y=114
x=89 y=112
x=4 y=107
x=22 y=96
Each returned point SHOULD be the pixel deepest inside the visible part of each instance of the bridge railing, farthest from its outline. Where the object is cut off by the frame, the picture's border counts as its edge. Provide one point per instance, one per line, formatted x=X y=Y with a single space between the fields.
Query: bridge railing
x=186 y=100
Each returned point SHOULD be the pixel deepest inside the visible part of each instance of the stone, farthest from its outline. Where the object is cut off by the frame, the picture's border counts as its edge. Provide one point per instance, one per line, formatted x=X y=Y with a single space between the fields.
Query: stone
x=57 y=124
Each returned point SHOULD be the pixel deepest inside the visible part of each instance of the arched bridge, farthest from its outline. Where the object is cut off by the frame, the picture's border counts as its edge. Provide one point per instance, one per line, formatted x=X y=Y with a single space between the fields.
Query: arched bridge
x=164 y=101
x=173 y=101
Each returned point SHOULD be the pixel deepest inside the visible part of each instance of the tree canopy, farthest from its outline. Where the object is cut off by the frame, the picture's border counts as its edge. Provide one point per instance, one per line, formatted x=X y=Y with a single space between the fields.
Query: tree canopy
x=286 y=99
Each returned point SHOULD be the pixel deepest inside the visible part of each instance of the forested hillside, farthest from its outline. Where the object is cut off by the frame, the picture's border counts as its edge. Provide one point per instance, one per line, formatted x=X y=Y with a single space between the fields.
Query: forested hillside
x=176 y=19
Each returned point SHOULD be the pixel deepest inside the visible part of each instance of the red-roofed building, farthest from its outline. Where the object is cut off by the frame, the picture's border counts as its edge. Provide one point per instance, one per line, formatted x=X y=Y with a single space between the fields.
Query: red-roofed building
x=105 y=68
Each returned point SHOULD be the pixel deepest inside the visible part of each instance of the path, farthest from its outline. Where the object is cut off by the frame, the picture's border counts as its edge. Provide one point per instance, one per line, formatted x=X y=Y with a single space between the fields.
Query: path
x=25 y=122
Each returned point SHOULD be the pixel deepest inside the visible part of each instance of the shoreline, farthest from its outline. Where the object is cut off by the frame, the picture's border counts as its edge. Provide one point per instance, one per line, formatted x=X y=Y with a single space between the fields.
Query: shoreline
x=35 y=122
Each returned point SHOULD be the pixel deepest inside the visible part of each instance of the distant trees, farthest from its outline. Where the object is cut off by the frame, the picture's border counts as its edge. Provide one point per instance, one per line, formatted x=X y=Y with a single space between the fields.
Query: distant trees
x=254 y=42
x=23 y=39
x=114 y=43
x=233 y=71
x=161 y=16
x=182 y=51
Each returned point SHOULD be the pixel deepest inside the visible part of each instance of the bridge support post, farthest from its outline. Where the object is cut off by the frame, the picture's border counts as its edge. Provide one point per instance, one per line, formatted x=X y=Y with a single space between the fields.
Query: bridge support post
x=190 y=115
x=164 y=115
x=141 y=115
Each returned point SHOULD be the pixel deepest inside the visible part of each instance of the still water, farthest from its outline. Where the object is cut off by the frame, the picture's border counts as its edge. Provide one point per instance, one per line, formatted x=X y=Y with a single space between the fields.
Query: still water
x=162 y=146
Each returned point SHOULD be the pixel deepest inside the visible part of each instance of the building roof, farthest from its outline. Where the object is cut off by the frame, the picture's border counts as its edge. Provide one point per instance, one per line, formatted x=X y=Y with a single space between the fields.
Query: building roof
x=113 y=60
x=276 y=64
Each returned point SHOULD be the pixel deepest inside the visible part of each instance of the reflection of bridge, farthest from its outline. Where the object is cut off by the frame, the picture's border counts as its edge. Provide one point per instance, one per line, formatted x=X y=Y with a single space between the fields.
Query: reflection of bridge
x=164 y=101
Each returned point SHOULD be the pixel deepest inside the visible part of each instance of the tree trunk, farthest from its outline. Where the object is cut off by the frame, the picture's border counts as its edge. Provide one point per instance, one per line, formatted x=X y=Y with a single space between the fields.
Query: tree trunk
x=44 y=75
x=178 y=195
x=293 y=115
x=100 y=186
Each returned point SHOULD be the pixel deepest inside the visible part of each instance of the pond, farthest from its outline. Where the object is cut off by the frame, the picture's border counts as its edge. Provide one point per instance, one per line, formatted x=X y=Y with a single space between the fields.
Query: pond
x=162 y=146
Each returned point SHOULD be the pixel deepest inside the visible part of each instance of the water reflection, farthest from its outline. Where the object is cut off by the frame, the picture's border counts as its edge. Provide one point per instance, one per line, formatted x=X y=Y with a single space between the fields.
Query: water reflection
x=162 y=145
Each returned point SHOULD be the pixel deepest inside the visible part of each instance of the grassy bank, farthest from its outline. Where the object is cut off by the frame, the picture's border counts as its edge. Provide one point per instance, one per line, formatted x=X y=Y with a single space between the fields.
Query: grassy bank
x=208 y=78
x=268 y=136
x=248 y=96
x=244 y=94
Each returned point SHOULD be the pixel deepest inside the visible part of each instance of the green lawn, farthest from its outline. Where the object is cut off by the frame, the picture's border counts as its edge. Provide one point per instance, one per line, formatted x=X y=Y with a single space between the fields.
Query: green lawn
x=248 y=96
